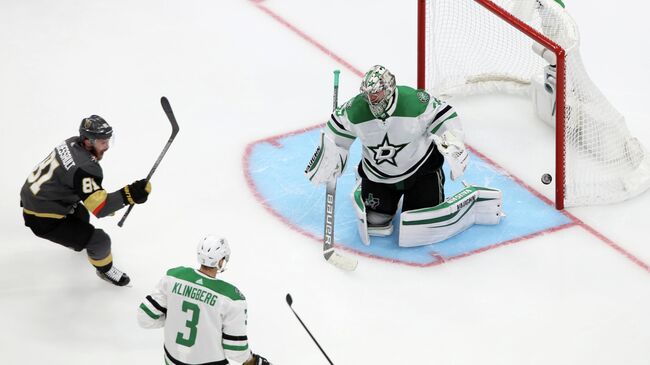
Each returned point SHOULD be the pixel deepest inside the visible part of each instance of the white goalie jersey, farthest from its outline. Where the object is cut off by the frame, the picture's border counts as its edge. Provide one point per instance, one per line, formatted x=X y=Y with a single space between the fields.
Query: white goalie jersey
x=204 y=318
x=395 y=148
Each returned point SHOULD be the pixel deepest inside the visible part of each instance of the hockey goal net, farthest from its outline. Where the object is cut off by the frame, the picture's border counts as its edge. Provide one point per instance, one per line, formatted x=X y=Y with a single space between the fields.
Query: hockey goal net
x=481 y=46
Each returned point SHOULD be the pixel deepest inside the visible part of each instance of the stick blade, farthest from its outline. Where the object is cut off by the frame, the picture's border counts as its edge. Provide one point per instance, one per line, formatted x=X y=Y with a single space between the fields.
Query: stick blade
x=289 y=299
x=343 y=262
x=170 y=114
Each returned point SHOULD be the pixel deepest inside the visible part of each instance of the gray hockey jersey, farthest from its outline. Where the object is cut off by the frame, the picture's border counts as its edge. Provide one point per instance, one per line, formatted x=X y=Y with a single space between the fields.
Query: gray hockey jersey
x=68 y=175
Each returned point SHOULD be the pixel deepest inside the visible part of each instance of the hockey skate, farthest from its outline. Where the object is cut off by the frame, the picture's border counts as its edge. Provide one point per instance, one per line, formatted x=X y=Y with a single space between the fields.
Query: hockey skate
x=114 y=276
x=381 y=230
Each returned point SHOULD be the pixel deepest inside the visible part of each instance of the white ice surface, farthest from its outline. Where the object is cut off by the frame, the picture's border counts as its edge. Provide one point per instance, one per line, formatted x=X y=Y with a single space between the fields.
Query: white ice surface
x=235 y=75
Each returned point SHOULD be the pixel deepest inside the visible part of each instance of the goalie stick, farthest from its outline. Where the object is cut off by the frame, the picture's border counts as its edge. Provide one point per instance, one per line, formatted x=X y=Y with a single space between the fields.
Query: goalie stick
x=170 y=115
x=333 y=257
x=290 y=302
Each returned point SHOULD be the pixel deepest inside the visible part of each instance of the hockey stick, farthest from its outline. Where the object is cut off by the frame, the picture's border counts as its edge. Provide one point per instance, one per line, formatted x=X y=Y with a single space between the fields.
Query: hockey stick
x=289 y=302
x=170 y=115
x=333 y=257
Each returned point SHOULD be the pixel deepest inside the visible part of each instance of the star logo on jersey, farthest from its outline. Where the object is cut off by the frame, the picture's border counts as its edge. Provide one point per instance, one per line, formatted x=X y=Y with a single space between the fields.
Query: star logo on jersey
x=200 y=281
x=386 y=152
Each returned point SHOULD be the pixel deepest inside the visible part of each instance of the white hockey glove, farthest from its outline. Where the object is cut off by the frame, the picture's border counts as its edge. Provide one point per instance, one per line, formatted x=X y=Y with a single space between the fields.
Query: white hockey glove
x=454 y=151
x=327 y=163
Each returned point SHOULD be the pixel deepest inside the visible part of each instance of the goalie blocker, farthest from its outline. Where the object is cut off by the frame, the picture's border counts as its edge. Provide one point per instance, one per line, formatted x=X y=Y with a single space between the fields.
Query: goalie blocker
x=472 y=205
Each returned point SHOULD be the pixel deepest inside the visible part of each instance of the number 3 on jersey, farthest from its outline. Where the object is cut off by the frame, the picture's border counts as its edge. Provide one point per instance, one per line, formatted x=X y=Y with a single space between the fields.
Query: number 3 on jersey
x=42 y=173
x=191 y=324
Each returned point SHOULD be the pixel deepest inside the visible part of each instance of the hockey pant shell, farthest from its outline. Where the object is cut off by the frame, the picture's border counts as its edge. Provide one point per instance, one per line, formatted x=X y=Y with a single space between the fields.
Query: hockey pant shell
x=418 y=191
x=369 y=197
x=472 y=205
x=72 y=231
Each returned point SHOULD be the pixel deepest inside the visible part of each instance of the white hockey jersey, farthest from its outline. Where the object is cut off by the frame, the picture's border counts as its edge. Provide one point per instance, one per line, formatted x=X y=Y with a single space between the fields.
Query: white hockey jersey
x=395 y=148
x=204 y=318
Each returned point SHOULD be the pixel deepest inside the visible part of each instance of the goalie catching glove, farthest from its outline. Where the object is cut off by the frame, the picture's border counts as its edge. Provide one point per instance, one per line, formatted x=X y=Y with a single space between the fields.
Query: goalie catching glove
x=136 y=193
x=451 y=146
x=327 y=163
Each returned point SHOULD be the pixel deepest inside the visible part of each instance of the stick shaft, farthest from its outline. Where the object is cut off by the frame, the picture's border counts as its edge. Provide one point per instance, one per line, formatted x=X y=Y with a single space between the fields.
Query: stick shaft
x=330 y=190
x=336 y=90
x=172 y=119
x=333 y=257
x=310 y=335
x=153 y=169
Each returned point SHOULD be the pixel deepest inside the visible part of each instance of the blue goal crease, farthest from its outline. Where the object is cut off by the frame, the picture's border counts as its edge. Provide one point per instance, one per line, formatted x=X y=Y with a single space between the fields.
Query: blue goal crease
x=276 y=171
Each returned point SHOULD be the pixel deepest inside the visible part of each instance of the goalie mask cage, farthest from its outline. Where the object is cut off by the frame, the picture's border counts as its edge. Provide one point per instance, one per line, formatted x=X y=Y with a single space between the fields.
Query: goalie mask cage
x=481 y=46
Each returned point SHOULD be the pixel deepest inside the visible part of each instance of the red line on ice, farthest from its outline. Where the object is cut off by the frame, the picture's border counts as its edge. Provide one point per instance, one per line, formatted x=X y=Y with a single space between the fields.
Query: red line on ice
x=308 y=38
x=439 y=259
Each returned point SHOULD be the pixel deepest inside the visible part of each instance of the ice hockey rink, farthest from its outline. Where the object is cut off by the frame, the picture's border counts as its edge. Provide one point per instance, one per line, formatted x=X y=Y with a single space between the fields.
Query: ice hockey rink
x=242 y=75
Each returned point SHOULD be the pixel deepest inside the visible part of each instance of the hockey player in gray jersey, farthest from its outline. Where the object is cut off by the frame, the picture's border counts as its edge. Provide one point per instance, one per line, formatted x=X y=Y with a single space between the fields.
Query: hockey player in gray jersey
x=204 y=318
x=406 y=135
x=71 y=175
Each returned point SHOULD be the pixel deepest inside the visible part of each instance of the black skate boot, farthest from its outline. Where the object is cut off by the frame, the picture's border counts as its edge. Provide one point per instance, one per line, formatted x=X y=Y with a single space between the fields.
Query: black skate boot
x=114 y=276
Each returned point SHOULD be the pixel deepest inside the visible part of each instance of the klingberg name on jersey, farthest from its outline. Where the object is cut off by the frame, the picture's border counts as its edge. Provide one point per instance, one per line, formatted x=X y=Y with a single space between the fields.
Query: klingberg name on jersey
x=194 y=293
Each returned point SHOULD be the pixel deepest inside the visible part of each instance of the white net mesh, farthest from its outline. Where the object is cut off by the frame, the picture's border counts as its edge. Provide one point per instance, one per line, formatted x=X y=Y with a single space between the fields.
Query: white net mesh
x=470 y=50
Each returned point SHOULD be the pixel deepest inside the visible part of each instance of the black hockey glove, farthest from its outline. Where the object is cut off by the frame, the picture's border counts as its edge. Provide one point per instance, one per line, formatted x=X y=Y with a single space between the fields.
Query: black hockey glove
x=137 y=192
x=257 y=360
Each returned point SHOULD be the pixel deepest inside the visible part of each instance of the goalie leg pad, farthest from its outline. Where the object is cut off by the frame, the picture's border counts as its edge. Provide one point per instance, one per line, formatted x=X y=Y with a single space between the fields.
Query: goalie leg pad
x=471 y=205
x=360 y=211
x=488 y=209
x=369 y=222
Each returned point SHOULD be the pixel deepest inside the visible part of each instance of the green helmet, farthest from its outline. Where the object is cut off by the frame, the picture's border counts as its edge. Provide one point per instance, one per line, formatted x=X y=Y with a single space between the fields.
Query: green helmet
x=378 y=88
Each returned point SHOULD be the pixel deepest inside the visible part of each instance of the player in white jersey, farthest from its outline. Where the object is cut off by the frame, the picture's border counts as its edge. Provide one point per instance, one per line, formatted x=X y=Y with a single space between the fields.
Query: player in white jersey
x=204 y=317
x=406 y=135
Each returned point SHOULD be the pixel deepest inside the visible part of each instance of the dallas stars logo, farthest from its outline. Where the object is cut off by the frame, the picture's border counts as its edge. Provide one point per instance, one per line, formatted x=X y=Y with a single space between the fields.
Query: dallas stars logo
x=386 y=152
x=372 y=202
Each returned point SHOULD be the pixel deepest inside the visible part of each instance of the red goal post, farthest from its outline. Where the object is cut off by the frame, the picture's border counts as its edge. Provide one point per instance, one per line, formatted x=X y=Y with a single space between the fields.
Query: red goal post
x=625 y=167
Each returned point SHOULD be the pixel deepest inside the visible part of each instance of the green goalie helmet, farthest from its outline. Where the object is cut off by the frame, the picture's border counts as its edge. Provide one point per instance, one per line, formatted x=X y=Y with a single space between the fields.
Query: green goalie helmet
x=378 y=88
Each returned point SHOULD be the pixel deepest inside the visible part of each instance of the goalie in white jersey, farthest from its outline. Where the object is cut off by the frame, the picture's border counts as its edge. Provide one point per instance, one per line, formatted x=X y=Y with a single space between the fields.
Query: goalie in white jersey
x=405 y=136
x=204 y=317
